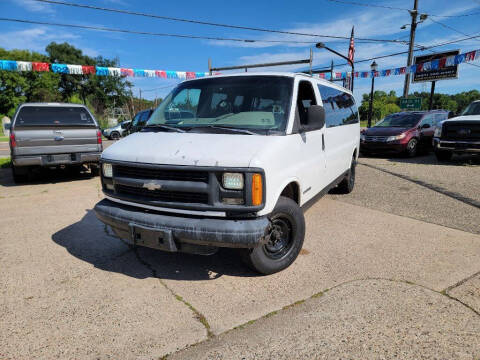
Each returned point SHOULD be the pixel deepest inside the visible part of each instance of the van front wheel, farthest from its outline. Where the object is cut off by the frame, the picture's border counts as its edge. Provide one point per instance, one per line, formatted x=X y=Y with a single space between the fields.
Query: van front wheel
x=284 y=239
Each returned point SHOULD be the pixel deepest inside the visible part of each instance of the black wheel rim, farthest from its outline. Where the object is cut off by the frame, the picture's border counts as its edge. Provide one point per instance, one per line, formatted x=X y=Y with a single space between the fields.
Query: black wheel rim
x=280 y=237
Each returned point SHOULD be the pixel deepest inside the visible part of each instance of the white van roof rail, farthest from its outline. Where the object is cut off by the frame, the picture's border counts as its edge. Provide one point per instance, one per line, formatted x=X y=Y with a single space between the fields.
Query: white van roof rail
x=250 y=66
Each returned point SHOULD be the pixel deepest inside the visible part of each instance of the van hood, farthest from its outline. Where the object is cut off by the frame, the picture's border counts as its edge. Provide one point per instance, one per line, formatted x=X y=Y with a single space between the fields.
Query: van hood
x=168 y=148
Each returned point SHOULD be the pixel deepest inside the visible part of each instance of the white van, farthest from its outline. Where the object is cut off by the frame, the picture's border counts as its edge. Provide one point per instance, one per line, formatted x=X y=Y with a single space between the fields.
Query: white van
x=235 y=170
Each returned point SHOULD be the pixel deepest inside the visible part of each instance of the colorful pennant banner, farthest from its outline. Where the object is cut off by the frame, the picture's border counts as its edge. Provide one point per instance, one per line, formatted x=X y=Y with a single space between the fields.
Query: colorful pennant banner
x=11 y=65
x=430 y=65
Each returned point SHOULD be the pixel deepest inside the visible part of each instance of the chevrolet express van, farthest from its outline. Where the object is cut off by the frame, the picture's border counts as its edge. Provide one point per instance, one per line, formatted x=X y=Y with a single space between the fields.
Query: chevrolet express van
x=236 y=173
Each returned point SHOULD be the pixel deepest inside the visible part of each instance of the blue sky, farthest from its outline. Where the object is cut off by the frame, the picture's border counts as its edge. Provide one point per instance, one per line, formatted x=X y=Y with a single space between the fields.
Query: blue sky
x=318 y=17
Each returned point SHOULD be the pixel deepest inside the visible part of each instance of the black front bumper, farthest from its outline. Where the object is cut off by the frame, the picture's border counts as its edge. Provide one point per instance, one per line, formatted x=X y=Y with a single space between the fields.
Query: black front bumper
x=176 y=233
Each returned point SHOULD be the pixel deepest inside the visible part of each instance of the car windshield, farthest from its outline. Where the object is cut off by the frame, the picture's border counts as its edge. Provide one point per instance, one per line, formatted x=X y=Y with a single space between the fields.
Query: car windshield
x=259 y=104
x=472 y=109
x=400 y=120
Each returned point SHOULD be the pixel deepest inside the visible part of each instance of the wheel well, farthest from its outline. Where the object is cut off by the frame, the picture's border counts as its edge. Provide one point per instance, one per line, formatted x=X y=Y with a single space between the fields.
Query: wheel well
x=292 y=191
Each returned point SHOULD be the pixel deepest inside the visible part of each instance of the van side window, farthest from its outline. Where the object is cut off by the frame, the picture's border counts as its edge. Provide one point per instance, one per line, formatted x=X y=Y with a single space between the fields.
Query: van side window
x=340 y=108
x=305 y=98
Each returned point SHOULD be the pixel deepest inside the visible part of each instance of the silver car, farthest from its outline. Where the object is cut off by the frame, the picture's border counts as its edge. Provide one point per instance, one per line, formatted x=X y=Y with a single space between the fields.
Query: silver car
x=52 y=135
x=118 y=131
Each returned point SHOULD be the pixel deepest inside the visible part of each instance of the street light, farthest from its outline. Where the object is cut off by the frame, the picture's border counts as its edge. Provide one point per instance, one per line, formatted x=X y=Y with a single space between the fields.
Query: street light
x=321 y=45
x=374 y=68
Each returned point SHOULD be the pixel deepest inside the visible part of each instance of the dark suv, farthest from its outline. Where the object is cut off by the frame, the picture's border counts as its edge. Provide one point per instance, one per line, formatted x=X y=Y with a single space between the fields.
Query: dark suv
x=139 y=120
x=405 y=132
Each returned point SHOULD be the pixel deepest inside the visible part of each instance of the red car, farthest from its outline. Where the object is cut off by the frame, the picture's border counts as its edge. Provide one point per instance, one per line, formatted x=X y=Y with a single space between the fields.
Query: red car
x=405 y=132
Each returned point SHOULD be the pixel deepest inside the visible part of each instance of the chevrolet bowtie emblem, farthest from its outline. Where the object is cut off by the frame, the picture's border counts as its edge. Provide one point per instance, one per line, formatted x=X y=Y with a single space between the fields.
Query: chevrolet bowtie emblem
x=152 y=186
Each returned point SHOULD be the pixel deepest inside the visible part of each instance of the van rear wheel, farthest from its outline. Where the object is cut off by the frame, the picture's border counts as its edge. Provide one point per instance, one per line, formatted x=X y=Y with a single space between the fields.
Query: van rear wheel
x=284 y=240
x=348 y=183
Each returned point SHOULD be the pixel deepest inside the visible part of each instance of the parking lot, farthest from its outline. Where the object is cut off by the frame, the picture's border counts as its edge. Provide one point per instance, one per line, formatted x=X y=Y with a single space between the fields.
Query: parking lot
x=391 y=270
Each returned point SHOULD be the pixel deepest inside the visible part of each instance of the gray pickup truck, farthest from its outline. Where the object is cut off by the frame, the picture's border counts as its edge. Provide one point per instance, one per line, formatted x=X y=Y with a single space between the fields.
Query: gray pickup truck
x=53 y=135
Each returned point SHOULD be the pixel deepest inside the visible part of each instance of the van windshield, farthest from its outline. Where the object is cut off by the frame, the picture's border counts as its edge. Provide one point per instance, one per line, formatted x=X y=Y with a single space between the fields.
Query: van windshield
x=53 y=116
x=257 y=104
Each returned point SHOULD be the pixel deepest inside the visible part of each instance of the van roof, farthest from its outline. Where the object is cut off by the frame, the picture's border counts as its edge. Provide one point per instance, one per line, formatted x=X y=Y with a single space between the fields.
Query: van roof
x=278 y=73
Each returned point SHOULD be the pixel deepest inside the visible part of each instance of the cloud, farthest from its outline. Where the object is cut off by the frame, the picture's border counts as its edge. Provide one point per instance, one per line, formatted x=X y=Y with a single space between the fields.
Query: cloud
x=35 y=6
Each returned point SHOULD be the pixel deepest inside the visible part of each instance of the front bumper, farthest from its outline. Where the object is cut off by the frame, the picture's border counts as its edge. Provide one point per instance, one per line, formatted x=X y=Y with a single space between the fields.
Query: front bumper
x=456 y=146
x=175 y=233
x=56 y=159
x=382 y=147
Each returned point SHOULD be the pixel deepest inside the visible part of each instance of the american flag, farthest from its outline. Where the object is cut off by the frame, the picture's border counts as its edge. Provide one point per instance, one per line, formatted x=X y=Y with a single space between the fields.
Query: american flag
x=351 y=49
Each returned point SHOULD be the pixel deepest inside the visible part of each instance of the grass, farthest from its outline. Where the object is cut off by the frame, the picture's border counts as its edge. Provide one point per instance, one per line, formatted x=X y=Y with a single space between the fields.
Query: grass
x=3 y=139
x=5 y=163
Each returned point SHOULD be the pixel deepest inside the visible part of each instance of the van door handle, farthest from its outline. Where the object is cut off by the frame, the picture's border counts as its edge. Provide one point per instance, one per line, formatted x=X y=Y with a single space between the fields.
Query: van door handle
x=323 y=142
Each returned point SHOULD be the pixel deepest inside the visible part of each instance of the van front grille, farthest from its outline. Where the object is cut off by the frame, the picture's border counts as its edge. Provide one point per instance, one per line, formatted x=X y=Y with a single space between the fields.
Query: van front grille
x=159 y=174
x=163 y=196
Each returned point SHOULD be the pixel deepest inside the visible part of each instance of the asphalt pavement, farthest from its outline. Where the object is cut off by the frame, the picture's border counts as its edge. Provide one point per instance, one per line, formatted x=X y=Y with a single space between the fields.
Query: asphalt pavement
x=389 y=271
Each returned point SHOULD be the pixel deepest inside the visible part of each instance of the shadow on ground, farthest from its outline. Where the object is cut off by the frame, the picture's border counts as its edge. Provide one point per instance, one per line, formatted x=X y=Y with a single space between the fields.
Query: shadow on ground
x=44 y=176
x=428 y=159
x=90 y=241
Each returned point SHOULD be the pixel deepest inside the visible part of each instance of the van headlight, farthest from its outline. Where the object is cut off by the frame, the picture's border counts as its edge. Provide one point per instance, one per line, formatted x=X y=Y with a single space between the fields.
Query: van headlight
x=396 y=137
x=362 y=137
x=107 y=170
x=438 y=131
x=233 y=181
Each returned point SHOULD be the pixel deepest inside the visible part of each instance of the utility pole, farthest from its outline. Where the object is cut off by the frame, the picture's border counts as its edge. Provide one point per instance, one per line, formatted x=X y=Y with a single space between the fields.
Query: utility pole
x=413 y=27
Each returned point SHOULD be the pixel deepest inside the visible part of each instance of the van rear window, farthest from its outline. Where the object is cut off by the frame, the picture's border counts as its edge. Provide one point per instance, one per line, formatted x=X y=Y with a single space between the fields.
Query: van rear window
x=53 y=116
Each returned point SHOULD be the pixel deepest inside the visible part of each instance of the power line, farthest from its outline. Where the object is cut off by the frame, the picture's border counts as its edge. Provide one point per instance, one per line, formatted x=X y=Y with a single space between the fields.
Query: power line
x=396 y=8
x=475 y=36
x=100 y=28
x=135 y=13
x=367 y=5
x=448 y=27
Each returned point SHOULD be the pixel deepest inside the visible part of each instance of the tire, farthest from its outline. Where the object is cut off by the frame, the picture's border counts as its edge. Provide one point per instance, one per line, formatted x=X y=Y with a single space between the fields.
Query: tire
x=95 y=170
x=412 y=147
x=114 y=135
x=285 y=239
x=348 y=183
x=443 y=155
x=20 y=175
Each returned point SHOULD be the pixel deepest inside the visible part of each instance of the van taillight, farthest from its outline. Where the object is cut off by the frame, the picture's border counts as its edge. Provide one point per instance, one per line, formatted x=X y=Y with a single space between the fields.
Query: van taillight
x=99 y=137
x=13 y=142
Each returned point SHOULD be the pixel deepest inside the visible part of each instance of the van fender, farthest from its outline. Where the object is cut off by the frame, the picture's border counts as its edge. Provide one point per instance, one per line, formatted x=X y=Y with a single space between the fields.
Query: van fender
x=282 y=186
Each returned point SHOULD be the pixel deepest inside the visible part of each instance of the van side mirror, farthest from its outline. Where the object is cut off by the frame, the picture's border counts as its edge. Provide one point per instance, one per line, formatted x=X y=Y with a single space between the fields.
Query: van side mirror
x=315 y=118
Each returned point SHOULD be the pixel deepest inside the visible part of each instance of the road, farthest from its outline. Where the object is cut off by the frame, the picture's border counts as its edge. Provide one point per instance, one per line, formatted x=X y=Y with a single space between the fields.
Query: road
x=391 y=270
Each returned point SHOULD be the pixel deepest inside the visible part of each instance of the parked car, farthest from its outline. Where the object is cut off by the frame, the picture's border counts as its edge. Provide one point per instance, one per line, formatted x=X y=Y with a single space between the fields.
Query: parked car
x=259 y=147
x=53 y=134
x=117 y=131
x=139 y=120
x=405 y=132
x=460 y=134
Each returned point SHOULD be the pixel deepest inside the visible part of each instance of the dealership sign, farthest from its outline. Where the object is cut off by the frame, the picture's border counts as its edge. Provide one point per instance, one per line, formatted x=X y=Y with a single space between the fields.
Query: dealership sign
x=429 y=70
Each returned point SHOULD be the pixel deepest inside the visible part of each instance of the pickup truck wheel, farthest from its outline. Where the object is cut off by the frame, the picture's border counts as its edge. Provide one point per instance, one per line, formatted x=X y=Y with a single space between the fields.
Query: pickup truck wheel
x=348 y=183
x=95 y=170
x=114 y=135
x=443 y=155
x=412 y=147
x=21 y=174
x=285 y=239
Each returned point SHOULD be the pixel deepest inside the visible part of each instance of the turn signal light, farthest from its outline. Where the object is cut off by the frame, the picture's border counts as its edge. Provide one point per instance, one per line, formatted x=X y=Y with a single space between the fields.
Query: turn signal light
x=99 y=137
x=257 y=189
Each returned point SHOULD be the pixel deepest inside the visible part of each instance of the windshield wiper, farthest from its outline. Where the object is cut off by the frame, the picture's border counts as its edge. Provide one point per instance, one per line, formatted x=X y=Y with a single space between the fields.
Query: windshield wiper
x=232 y=129
x=167 y=127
